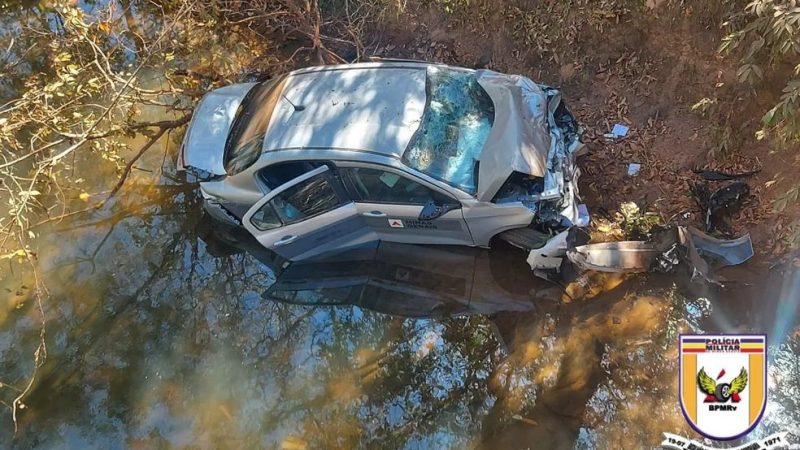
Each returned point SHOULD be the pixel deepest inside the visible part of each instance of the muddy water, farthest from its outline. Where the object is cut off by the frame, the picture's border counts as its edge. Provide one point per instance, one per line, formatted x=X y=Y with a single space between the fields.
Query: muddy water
x=161 y=335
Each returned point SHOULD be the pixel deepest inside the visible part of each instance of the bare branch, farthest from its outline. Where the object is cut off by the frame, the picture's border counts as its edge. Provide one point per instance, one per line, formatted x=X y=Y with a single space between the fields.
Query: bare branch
x=163 y=126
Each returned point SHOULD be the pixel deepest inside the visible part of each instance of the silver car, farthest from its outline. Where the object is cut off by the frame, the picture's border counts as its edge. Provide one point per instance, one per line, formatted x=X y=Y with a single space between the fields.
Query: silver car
x=330 y=157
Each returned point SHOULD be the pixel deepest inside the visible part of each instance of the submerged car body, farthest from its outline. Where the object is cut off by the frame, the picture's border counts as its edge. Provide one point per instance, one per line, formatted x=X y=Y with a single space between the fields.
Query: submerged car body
x=331 y=157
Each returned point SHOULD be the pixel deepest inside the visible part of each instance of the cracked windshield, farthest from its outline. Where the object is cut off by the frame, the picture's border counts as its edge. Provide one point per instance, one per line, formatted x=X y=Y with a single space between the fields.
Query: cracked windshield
x=399 y=224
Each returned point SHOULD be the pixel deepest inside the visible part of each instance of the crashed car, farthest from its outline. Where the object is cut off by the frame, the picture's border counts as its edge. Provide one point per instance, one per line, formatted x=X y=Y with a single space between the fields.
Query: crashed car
x=325 y=158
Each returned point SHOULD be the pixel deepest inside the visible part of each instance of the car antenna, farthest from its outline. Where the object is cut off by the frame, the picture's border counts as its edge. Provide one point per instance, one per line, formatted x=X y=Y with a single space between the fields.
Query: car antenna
x=297 y=108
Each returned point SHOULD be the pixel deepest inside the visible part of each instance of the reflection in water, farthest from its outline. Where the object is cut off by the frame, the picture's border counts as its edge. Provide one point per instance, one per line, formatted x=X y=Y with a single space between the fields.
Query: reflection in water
x=156 y=342
x=406 y=280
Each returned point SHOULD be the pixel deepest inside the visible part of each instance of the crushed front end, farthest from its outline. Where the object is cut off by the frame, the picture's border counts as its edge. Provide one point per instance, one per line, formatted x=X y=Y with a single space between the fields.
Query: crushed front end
x=535 y=157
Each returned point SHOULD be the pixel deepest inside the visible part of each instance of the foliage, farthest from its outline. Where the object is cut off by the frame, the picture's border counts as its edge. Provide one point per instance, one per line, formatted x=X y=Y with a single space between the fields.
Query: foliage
x=89 y=87
x=629 y=223
x=85 y=83
x=451 y=6
x=789 y=197
x=722 y=135
x=80 y=93
x=793 y=237
x=766 y=37
x=564 y=22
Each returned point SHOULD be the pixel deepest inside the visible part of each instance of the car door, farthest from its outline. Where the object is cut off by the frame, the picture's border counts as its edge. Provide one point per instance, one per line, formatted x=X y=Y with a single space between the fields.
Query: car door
x=306 y=216
x=391 y=202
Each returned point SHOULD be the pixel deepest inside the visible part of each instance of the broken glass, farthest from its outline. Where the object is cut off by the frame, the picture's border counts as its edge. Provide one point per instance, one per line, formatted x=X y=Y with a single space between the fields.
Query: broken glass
x=455 y=125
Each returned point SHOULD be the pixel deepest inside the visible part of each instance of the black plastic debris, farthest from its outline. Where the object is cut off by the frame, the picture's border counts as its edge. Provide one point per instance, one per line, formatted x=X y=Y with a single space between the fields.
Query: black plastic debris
x=719 y=205
x=717 y=175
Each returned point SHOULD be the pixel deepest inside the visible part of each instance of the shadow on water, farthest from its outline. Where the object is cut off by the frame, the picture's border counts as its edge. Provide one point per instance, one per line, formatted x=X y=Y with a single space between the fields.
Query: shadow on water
x=167 y=331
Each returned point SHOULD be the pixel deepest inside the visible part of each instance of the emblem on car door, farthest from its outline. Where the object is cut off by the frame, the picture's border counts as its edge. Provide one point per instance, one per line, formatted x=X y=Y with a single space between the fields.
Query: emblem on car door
x=396 y=223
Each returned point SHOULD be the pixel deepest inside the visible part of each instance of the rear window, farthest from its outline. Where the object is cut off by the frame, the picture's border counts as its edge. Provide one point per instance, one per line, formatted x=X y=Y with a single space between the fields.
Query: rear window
x=250 y=126
x=455 y=126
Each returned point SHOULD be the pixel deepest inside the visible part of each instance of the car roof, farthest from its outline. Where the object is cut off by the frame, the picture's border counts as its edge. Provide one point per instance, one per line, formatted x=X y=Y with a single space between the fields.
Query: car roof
x=375 y=107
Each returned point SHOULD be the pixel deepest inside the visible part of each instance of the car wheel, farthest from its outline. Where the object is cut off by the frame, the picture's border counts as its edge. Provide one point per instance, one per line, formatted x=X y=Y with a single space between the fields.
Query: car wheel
x=723 y=392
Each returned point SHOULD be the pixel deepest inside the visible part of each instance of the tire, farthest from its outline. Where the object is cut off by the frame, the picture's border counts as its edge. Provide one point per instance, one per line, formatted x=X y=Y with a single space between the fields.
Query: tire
x=723 y=392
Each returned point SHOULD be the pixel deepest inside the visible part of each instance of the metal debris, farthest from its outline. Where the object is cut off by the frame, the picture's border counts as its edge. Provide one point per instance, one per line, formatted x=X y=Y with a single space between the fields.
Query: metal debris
x=727 y=252
x=550 y=256
x=663 y=253
x=618 y=257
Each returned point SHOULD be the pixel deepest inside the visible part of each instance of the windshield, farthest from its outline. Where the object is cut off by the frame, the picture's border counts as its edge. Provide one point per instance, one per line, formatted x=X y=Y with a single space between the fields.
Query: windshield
x=250 y=127
x=455 y=125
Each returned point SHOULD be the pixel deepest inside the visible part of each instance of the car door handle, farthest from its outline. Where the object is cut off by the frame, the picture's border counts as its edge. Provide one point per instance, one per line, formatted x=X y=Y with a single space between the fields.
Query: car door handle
x=286 y=240
x=374 y=214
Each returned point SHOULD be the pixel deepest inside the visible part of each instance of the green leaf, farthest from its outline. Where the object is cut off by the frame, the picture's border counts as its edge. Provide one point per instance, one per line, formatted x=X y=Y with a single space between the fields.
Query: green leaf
x=769 y=118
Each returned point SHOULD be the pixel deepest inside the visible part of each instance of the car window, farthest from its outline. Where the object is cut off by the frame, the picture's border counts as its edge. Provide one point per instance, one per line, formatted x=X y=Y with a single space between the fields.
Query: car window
x=301 y=201
x=250 y=126
x=380 y=186
x=266 y=218
x=278 y=174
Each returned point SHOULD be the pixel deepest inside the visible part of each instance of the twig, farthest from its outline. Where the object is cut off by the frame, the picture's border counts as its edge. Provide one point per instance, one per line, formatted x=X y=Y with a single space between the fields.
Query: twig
x=162 y=128
x=41 y=350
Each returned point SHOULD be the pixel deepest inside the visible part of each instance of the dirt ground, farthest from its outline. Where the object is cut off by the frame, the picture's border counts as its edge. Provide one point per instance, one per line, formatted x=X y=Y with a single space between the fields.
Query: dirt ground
x=644 y=67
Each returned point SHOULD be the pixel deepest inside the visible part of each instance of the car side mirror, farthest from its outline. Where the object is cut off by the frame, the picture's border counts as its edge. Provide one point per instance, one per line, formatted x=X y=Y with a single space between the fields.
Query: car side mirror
x=431 y=210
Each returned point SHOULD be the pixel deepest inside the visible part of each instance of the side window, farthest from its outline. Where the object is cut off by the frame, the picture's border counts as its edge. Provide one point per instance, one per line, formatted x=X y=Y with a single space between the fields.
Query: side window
x=265 y=218
x=374 y=185
x=309 y=198
x=277 y=174
x=301 y=201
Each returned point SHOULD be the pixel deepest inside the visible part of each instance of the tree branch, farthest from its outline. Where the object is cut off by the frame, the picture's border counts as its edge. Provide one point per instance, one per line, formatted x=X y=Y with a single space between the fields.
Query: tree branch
x=163 y=126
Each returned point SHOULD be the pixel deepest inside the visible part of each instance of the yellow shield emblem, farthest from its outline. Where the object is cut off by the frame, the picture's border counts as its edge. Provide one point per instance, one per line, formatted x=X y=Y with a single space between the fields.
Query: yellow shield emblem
x=723 y=389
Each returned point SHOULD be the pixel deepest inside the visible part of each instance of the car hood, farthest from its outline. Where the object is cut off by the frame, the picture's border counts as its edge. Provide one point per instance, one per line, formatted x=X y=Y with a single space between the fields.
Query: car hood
x=524 y=137
x=204 y=144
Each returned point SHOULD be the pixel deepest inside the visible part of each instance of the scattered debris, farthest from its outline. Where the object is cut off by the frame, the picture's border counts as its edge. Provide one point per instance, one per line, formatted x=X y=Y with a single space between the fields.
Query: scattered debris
x=717 y=175
x=550 y=256
x=633 y=169
x=547 y=260
x=661 y=253
x=698 y=264
x=618 y=257
x=583 y=216
x=720 y=204
x=728 y=253
x=619 y=130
